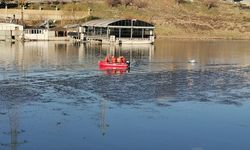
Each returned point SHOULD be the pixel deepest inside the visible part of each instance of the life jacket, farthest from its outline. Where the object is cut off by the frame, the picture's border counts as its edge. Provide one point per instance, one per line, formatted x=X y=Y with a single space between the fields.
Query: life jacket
x=119 y=59
x=106 y=59
x=113 y=60
x=123 y=60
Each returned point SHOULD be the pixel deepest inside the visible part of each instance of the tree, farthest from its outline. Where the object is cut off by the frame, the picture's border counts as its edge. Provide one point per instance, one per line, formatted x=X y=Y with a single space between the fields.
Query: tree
x=113 y=3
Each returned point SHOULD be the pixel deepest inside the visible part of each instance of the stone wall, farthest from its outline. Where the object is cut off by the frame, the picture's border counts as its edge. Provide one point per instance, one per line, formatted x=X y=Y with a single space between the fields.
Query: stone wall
x=42 y=14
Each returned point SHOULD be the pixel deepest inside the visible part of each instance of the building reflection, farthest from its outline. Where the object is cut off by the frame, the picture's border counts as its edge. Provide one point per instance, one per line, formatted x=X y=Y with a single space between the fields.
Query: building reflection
x=138 y=51
x=130 y=52
x=165 y=54
x=103 y=116
x=14 y=132
x=29 y=56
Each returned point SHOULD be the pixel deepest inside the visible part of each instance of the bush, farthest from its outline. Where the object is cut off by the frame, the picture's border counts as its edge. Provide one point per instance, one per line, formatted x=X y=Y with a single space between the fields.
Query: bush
x=180 y=1
x=113 y=3
x=73 y=7
x=136 y=3
x=127 y=2
x=211 y=3
x=140 y=3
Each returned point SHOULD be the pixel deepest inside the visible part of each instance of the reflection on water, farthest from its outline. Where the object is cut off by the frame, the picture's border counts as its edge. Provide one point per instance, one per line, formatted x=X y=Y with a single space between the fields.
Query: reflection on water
x=169 y=55
x=23 y=58
x=53 y=91
x=206 y=53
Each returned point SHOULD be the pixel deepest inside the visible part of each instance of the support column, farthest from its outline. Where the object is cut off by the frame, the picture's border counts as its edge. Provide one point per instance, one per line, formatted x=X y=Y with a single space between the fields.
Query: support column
x=151 y=32
x=131 y=33
x=6 y=11
x=142 y=33
x=22 y=15
x=107 y=32
x=119 y=33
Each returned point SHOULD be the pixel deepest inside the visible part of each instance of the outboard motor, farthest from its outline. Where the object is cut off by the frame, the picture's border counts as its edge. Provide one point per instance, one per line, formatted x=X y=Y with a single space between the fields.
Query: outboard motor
x=128 y=63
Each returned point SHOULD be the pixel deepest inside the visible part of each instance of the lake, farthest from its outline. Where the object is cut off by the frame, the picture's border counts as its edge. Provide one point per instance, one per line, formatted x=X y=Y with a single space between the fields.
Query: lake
x=54 y=96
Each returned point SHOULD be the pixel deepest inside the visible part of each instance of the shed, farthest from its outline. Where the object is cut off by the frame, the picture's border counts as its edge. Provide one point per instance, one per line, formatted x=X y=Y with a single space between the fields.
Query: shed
x=44 y=34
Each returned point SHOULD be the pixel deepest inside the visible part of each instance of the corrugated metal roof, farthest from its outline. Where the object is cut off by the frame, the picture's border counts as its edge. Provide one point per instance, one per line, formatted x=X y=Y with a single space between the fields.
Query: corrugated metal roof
x=111 y=22
x=100 y=22
x=10 y=24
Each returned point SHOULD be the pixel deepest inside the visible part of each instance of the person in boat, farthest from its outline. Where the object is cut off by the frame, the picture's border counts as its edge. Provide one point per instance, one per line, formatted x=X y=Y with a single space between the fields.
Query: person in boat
x=119 y=59
x=123 y=60
x=107 y=59
x=113 y=59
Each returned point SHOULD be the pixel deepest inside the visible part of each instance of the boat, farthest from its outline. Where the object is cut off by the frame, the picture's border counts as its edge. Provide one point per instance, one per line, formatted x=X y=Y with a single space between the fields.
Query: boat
x=107 y=65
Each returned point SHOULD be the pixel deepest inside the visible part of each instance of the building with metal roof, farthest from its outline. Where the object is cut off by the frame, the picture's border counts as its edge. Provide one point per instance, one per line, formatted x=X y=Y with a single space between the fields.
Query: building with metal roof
x=119 y=31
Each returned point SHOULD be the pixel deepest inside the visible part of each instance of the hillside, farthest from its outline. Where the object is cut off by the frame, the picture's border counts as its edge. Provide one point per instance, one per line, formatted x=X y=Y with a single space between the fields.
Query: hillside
x=188 y=20
x=185 y=20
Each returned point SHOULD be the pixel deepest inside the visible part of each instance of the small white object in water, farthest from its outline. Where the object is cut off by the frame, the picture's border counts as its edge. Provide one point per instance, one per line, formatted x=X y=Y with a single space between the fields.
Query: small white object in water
x=192 y=61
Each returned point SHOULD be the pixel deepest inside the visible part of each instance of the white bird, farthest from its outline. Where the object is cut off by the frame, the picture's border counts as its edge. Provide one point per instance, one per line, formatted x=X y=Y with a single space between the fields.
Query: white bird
x=192 y=61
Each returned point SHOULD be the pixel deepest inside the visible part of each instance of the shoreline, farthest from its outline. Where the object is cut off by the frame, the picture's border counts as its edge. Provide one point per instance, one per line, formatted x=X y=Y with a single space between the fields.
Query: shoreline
x=201 y=38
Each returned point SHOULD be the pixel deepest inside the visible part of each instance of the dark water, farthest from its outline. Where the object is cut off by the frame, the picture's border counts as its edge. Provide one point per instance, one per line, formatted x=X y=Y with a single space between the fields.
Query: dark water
x=53 y=96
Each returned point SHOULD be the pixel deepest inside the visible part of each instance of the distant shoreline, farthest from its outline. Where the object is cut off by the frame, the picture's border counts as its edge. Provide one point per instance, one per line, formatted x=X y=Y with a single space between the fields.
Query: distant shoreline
x=201 y=37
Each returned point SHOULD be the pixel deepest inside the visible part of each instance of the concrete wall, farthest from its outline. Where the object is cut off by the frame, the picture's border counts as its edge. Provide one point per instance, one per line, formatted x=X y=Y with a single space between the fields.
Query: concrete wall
x=51 y=34
x=10 y=31
x=5 y=35
x=42 y=14
x=9 y=26
x=43 y=36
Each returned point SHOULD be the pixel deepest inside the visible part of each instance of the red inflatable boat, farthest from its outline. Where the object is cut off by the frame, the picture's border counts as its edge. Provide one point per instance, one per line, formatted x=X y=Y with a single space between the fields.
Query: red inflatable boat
x=106 y=65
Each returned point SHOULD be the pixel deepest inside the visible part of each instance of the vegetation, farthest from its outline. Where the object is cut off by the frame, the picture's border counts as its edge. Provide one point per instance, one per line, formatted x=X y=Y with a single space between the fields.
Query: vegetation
x=211 y=3
x=137 y=3
x=172 y=18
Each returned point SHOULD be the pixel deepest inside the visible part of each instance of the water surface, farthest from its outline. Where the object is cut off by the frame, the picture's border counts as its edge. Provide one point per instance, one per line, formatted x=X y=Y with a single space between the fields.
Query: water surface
x=53 y=96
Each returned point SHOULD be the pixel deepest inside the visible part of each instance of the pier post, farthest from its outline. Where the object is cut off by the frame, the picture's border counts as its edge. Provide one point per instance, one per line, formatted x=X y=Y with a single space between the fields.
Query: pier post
x=119 y=33
x=108 y=32
x=142 y=33
x=132 y=26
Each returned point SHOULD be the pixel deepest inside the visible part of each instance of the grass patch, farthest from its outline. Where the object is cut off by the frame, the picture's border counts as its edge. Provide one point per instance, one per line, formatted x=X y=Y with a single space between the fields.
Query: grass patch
x=225 y=20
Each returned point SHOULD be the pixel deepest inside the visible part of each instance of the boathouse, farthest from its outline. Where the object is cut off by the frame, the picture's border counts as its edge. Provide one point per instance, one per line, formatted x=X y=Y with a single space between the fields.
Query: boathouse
x=118 y=31
x=10 y=31
x=44 y=34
